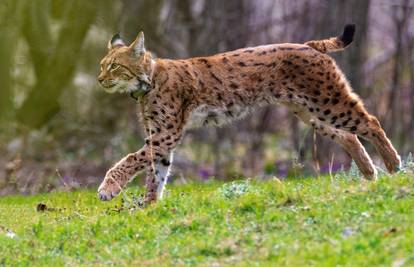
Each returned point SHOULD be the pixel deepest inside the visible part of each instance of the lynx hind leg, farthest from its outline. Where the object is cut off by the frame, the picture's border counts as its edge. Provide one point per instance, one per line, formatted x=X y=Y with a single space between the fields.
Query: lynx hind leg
x=341 y=109
x=346 y=140
x=353 y=146
x=373 y=132
x=355 y=119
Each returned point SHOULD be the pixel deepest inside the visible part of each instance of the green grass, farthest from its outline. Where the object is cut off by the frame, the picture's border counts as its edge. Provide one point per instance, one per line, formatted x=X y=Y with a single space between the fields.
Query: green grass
x=303 y=222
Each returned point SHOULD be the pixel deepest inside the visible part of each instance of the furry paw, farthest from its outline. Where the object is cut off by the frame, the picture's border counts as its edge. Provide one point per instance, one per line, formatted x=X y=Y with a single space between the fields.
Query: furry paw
x=108 y=189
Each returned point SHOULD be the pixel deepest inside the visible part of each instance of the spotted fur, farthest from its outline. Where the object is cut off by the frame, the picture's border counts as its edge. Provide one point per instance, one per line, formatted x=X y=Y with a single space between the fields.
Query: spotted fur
x=174 y=95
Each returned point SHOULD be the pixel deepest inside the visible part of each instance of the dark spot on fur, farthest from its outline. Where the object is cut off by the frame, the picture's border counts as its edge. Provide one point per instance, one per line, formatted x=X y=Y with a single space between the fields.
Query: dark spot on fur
x=287 y=62
x=165 y=162
x=234 y=85
x=216 y=78
x=155 y=143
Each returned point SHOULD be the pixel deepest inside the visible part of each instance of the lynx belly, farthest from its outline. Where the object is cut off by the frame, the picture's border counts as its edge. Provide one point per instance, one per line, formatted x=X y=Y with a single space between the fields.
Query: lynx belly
x=216 y=116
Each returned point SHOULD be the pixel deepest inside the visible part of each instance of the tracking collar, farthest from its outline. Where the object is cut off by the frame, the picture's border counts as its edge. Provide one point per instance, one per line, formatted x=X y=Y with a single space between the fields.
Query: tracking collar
x=144 y=86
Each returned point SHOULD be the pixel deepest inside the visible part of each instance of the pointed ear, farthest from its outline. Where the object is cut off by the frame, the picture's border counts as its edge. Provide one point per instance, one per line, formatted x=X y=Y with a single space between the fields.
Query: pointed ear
x=116 y=40
x=138 y=45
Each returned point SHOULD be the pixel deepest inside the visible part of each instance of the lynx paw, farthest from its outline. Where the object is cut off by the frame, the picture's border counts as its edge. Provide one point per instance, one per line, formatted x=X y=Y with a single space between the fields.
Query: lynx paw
x=108 y=189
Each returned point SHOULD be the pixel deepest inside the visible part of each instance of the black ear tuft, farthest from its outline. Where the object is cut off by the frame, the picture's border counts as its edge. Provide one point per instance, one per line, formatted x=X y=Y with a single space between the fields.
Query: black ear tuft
x=115 y=41
x=348 y=35
x=115 y=38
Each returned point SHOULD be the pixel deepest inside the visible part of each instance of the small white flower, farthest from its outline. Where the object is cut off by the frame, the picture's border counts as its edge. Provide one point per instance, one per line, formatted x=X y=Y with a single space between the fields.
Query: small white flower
x=365 y=214
x=10 y=234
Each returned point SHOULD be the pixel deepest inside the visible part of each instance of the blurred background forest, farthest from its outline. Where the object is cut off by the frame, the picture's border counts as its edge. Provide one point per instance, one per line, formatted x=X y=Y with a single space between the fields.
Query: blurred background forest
x=59 y=129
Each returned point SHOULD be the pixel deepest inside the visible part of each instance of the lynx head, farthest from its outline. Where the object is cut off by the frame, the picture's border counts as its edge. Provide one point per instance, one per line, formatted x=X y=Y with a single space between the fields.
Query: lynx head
x=126 y=69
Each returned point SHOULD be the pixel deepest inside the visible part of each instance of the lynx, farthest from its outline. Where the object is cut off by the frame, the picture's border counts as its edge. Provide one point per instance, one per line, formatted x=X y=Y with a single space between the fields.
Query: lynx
x=175 y=95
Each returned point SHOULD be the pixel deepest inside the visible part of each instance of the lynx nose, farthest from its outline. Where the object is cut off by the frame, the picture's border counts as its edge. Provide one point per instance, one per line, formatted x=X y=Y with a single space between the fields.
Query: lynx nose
x=100 y=79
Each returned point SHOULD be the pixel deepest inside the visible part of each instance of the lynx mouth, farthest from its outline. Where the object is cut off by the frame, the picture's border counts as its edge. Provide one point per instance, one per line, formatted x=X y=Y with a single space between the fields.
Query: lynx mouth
x=108 y=85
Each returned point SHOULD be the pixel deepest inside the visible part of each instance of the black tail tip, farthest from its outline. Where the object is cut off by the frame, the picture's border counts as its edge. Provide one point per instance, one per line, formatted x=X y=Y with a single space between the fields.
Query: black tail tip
x=348 y=35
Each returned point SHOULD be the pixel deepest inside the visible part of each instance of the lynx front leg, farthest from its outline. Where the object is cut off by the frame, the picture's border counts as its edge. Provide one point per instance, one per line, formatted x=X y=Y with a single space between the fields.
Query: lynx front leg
x=156 y=181
x=162 y=172
x=121 y=173
x=157 y=148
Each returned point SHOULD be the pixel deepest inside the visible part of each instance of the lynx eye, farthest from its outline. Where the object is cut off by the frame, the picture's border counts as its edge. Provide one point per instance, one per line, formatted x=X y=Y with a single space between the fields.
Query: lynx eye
x=114 y=66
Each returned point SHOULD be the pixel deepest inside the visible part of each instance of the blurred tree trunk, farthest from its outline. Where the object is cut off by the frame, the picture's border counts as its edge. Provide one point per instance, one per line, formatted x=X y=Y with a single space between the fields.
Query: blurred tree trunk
x=9 y=11
x=409 y=128
x=407 y=135
x=53 y=61
x=400 y=18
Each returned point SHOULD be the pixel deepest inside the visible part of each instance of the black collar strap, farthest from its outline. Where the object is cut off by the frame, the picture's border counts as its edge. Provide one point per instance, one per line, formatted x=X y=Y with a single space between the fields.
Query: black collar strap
x=134 y=95
x=143 y=89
